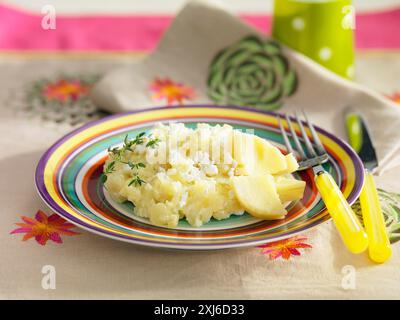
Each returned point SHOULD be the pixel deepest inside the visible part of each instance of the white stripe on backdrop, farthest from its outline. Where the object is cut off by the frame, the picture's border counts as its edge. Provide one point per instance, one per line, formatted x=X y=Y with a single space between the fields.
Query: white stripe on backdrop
x=167 y=6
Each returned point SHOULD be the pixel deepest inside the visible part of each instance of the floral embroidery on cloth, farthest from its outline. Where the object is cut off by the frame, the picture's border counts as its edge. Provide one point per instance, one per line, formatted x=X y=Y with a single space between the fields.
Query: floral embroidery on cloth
x=44 y=228
x=64 y=90
x=251 y=72
x=285 y=248
x=390 y=204
x=395 y=97
x=171 y=91
x=60 y=99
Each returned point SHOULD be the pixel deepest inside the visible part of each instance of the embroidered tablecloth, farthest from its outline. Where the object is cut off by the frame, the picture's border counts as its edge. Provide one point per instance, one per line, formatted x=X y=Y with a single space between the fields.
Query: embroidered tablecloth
x=314 y=265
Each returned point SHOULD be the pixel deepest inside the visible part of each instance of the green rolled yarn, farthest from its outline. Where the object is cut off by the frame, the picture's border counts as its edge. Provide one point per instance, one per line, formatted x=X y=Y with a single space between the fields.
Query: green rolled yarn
x=320 y=29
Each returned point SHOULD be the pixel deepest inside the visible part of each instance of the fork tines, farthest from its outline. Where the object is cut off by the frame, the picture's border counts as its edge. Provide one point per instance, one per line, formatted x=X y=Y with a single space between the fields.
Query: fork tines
x=312 y=154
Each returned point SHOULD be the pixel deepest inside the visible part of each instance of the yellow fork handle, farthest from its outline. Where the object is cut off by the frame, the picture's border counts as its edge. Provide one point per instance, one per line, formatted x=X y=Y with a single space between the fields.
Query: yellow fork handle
x=346 y=221
x=379 y=244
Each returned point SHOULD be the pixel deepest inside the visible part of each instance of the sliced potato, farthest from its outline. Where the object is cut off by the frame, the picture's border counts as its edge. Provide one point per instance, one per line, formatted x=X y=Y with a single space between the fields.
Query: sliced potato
x=290 y=189
x=258 y=196
x=269 y=159
x=256 y=156
x=291 y=163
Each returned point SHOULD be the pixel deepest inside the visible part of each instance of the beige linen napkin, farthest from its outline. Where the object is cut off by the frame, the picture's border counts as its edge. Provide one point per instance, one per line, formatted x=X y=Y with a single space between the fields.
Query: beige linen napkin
x=189 y=47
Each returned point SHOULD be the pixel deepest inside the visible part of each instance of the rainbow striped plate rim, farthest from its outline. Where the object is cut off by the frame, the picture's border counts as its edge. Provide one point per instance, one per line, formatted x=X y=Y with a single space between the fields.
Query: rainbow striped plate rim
x=68 y=180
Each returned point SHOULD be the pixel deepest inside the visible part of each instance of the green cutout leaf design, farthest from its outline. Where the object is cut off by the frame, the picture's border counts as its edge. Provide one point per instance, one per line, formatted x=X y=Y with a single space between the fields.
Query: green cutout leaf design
x=390 y=204
x=252 y=72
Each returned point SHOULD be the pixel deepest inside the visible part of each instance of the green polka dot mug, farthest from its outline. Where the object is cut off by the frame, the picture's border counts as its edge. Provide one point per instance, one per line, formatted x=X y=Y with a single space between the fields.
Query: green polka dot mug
x=320 y=29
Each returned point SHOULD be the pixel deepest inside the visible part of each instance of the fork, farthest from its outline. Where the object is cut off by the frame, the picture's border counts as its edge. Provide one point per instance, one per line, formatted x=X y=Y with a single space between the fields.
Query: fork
x=346 y=222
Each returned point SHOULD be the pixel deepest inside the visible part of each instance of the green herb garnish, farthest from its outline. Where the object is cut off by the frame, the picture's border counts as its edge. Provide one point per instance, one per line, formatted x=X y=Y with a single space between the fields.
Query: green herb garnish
x=153 y=143
x=103 y=178
x=117 y=154
x=135 y=165
x=137 y=181
x=110 y=167
x=139 y=139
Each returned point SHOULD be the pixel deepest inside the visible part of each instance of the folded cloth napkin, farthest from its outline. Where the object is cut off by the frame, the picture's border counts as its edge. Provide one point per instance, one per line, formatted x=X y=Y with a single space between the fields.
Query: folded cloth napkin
x=228 y=62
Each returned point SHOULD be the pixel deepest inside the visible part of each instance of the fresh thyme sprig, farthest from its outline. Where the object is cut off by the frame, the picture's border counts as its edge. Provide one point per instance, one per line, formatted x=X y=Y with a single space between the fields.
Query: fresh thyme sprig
x=113 y=150
x=110 y=167
x=152 y=143
x=136 y=166
x=117 y=153
x=137 y=181
x=139 y=139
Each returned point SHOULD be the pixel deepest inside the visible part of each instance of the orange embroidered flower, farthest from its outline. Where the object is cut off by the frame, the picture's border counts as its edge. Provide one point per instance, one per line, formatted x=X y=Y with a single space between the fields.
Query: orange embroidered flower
x=171 y=91
x=44 y=228
x=395 y=97
x=64 y=90
x=284 y=248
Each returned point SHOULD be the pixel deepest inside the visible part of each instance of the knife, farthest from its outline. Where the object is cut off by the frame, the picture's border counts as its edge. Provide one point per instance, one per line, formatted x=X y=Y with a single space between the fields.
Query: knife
x=359 y=138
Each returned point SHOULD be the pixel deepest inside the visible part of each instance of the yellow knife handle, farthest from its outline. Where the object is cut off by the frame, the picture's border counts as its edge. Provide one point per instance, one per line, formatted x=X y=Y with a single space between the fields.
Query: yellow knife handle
x=346 y=221
x=379 y=244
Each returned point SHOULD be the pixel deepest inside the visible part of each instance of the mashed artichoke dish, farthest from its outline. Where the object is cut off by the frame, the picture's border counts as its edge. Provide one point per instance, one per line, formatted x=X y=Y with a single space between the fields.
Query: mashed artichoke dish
x=175 y=172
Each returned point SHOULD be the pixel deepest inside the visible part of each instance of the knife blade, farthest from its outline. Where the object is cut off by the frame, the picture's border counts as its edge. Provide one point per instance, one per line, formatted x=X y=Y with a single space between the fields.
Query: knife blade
x=360 y=139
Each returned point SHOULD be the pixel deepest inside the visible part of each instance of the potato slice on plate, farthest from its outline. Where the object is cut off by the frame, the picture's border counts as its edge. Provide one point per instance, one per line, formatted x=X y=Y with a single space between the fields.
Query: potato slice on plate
x=291 y=163
x=269 y=159
x=290 y=189
x=257 y=156
x=258 y=196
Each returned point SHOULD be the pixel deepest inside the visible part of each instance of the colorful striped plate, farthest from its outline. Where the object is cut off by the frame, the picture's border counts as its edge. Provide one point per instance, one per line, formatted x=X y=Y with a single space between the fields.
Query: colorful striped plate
x=68 y=180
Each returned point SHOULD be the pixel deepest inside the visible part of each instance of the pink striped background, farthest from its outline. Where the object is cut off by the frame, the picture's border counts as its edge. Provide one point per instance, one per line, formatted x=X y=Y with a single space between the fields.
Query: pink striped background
x=22 y=31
